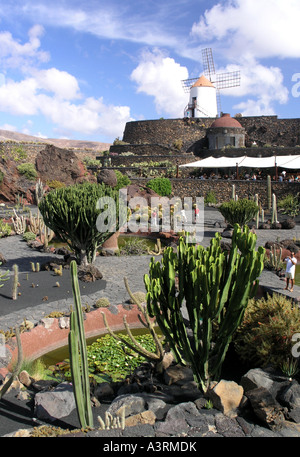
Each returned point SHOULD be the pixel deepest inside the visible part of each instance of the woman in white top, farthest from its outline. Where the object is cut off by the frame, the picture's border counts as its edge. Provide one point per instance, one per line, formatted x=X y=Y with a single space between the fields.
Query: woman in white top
x=291 y=262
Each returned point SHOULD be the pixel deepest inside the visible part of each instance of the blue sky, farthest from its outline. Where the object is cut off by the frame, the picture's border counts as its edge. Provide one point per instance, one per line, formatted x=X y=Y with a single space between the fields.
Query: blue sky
x=81 y=70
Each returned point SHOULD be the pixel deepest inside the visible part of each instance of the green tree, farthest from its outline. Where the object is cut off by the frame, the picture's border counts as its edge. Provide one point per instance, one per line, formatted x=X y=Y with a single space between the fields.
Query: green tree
x=84 y=216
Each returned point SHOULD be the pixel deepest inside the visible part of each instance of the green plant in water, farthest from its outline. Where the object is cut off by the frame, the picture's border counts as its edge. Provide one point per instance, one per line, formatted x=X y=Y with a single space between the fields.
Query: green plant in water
x=214 y=287
x=78 y=356
x=157 y=352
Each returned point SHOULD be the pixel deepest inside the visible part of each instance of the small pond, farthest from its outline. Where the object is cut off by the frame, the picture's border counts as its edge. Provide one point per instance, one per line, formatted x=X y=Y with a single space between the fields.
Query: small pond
x=107 y=359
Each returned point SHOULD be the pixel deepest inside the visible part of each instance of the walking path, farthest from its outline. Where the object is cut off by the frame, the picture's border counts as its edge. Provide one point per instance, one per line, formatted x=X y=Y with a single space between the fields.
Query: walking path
x=113 y=268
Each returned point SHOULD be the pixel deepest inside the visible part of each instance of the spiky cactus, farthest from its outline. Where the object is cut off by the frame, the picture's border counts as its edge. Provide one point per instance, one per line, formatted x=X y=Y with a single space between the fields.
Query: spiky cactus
x=78 y=356
x=213 y=287
x=15 y=281
x=269 y=192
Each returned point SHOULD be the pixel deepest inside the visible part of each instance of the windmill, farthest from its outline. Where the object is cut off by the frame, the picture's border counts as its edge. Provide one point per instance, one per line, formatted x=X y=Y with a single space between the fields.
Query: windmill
x=205 y=91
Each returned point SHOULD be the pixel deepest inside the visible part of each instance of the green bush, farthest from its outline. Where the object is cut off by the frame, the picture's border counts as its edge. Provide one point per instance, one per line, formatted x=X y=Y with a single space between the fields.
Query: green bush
x=162 y=186
x=28 y=170
x=122 y=180
x=239 y=212
x=1 y=176
x=289 y=205
x=5 y=229
x=265 y=335
x=210 y=198
x=28 y=236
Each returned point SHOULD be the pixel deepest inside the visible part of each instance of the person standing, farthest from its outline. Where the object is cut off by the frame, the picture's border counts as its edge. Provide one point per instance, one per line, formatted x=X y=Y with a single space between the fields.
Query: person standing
x=291 y=262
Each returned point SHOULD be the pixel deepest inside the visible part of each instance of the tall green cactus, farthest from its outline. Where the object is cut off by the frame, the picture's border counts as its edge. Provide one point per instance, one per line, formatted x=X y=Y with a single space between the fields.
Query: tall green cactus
x=78 y=356
x=269 y=192
x=213 y=287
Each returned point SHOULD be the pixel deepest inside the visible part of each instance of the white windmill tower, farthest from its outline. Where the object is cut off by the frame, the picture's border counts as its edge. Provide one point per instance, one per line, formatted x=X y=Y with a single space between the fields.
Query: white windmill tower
x=205 y=91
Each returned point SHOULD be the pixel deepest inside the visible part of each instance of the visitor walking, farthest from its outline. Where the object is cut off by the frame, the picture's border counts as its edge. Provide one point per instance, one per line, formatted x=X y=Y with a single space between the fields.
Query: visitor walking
x=291 y=262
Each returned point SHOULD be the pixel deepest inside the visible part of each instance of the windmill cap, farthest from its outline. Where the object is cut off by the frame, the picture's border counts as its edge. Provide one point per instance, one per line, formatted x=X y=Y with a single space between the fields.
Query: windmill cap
x=203 y=82
x=226 y=121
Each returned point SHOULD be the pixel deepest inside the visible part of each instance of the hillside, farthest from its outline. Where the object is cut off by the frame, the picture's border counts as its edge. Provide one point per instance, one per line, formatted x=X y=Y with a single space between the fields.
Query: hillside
x=7 y=135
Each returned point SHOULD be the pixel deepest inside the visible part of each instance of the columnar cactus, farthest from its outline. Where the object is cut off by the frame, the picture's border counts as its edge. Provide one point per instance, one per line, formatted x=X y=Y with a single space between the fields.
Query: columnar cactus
x=214 y=287
x=78 y=356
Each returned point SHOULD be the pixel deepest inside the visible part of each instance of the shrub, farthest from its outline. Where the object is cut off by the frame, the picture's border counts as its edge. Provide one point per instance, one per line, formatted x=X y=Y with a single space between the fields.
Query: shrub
x=55 y=184
x=289 y=205
x=29 y=236
x=28 y=170
x=122 y=180
x=162 y=186
x=134 y=247
x=239 y=212
x=210 y=198
x=102 y=303
x=265 y=335
x=1 y=176
x=5 y=229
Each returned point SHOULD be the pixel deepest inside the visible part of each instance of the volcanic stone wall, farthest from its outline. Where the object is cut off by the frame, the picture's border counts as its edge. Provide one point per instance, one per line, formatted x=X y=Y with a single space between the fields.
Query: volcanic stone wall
x=264 y=130
x=223 y=189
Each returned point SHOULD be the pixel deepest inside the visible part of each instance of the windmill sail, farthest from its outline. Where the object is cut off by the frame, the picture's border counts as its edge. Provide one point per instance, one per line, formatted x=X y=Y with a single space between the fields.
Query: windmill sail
x=219 y=81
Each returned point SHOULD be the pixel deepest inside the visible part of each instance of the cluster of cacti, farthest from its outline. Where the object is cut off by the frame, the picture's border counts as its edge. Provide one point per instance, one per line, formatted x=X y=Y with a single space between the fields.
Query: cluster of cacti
x=35 y=267
x=275 y=257
x=37 y=226
x=158 y=250
x=214 y=286
x=58 y=271
x=17 y=368
x=78 y=356
x=113 y=422
x=148 y=323
x=19 y=223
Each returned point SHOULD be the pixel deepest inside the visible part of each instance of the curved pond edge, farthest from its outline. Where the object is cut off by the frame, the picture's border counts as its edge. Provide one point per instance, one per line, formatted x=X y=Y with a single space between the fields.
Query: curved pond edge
x=52 y=333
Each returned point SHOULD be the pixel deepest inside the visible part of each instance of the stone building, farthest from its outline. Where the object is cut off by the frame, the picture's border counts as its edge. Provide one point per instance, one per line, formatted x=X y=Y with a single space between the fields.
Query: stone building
x=225 y=131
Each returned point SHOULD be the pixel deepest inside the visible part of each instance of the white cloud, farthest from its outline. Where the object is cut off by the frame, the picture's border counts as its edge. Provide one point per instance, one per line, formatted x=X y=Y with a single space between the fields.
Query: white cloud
x=16 y=55
x=264 y=28
x=263 y=85
x=63 y=85
x=52 y=93
x=160 y=76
